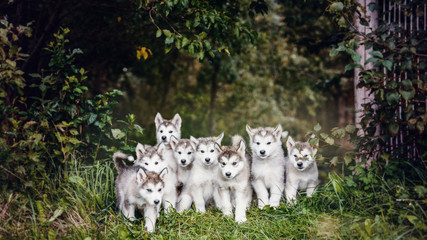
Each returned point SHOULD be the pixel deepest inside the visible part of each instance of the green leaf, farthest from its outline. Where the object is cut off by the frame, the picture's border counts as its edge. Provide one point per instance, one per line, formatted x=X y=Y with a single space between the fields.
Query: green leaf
x=324 y=135
x=347 y=159
x=74 y=132
x=334 y=161
x=393 y=129
x=372 y=59
x=336 y=7
x=169 y=40
x=185 y=42
x=388 y=64
x=317 y=127
x=377 y=54
x=350 y=128
x=356 y=58
x=392 y=98
x=407 y=84
x=351 y=66
x=168 y=48
x=407 y=95
x=167 y=33
x=117 y=133
x=56 y=214
x=158 y=33
x=329 y=141
x=138 y=128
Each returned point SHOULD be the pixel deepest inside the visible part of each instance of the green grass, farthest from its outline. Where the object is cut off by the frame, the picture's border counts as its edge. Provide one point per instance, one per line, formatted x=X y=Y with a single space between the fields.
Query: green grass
x=83 y=207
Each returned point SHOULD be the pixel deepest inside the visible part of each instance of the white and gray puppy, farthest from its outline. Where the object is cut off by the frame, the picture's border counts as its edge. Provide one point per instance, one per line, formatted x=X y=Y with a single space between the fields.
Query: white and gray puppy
x=153 y=159
x=137 y=188
x=268 y=164
x=234 y=178
x=202 y=185
x=301 y=169
x=183 y=152
x=167 y=128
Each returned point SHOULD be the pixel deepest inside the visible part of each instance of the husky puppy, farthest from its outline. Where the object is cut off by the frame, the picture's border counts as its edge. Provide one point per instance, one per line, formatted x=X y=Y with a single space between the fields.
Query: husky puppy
x=138 y=188
x=268 y=164
x=202 y=186
x=234 y=178
x=183 y=152
x=301 y=169
x=167 y=128
x=153 y=159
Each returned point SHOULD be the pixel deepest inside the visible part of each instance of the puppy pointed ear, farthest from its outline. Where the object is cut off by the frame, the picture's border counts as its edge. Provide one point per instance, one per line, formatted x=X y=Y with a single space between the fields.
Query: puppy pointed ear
x=161 y=149
x=173 y=142
x=290 y=143
x=250 y=131
x=141 y=175
x=242 y=148
x=218 y=147
x=163 y=173
x=278 y=131
x=194 y=142
x=158 y=120
x=140 y=150
x=285 y=134
x=176 y=120
x=219 y=138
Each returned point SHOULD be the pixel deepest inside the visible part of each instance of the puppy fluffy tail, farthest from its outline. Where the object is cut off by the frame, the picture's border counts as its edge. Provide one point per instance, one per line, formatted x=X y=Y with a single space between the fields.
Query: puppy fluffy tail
x=235 y=140
x=119 y=160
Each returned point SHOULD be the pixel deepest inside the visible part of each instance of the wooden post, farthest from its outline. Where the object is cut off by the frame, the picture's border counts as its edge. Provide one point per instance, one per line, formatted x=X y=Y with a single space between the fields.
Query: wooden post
x=361 y=95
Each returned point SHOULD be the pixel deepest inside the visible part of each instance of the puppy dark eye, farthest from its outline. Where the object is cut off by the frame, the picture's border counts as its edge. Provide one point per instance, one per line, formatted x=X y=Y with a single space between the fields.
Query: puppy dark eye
x=149 y=190
x=202 y=151
x=234 y=163
x=295 y=156
x=306 y=155
x=223 y=164
x=156 y=163
x=179 y=153
x=268 y=143
x=170 y=131
x=146 y=164
x=257 y=143
x=189 y=153
x=212 y=150
x=161 y=131
x=160 y=190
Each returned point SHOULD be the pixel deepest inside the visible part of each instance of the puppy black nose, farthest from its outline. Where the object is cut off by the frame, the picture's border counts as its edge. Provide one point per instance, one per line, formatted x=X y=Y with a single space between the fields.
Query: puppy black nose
x=207 y=160
x=299 y=164
x=228 y=174
x=262 y=152
x=156 y=201
x=183 y=161
x=163 y=137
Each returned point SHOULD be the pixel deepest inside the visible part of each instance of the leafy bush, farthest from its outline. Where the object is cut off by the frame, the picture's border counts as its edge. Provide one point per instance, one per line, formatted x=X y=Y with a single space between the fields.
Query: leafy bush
x=51 y=124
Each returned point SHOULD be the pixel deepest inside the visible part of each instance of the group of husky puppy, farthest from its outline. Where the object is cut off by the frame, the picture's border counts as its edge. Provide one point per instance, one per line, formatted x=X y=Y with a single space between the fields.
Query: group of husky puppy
x=179 y=172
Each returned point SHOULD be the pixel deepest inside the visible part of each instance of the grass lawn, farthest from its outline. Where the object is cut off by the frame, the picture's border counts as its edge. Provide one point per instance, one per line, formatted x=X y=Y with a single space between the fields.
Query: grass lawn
x=83 y=207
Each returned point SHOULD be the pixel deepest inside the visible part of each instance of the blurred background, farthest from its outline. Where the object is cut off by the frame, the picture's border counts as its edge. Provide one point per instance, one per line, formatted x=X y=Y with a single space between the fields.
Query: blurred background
x=283 y=74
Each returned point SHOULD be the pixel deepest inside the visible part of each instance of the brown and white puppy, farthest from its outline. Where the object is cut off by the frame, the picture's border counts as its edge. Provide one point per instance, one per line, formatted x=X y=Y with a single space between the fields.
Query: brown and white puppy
x=234 y=178
x=154 y=159
x=137 y=188
x=301 y=169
